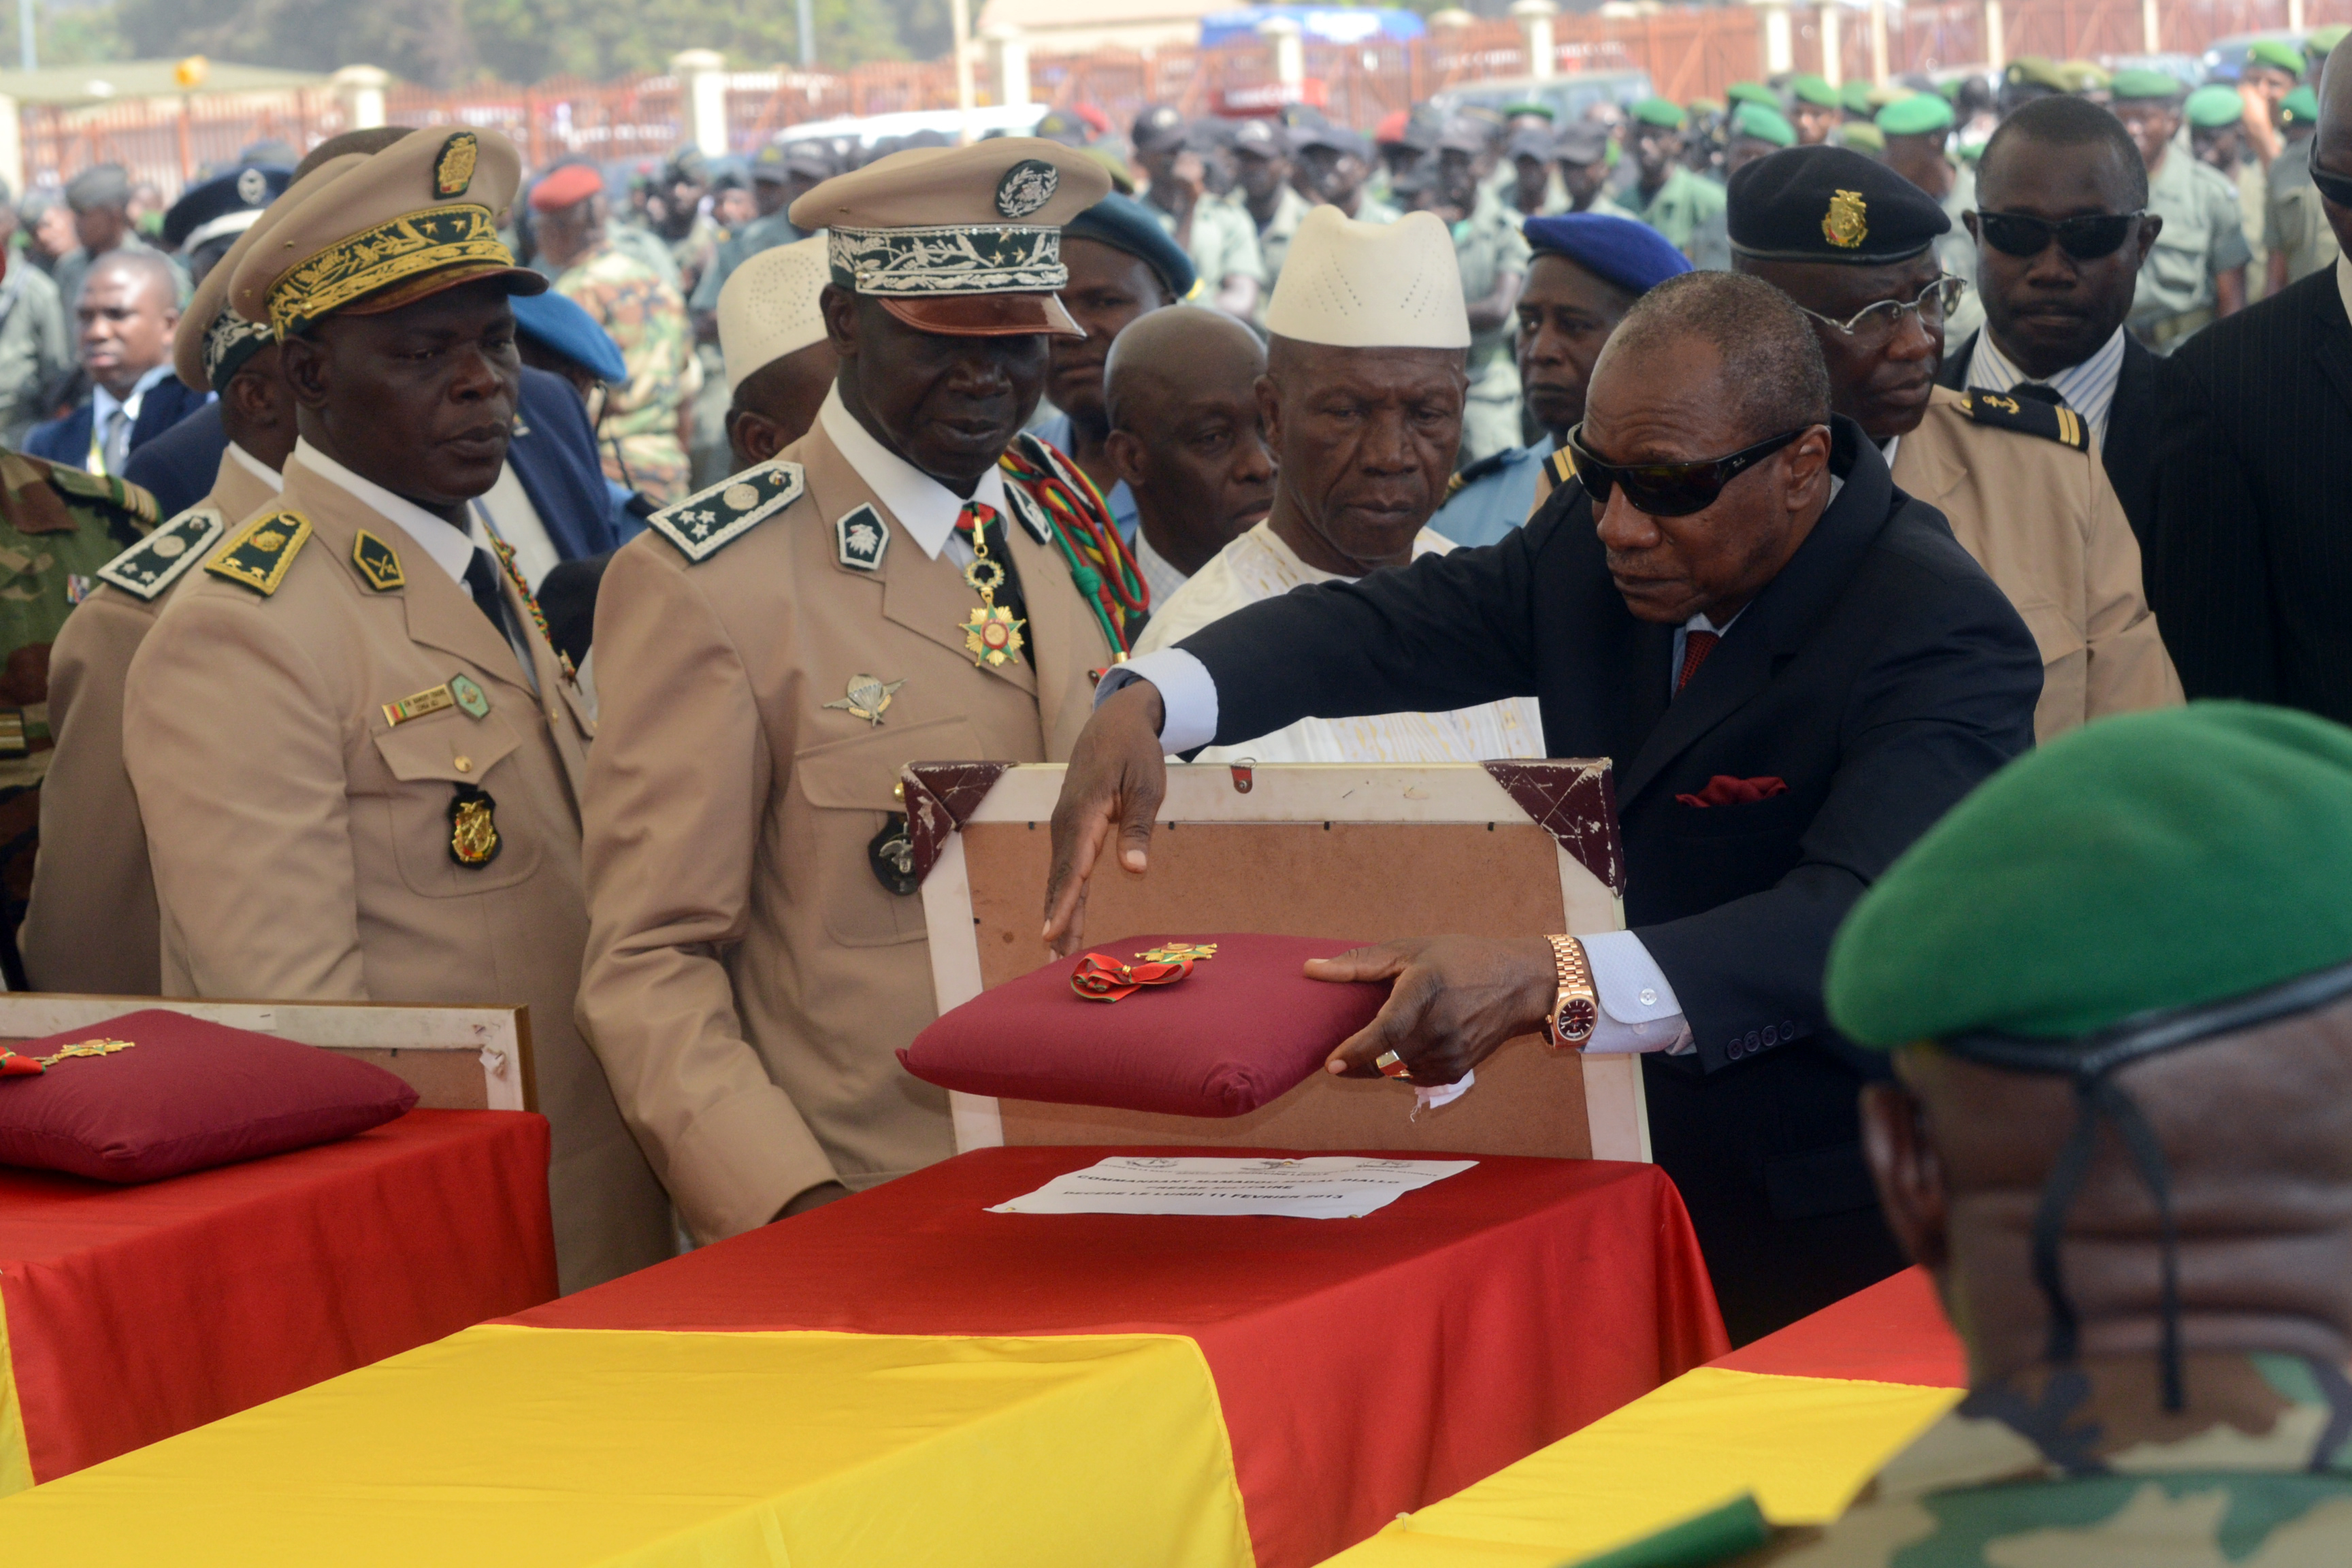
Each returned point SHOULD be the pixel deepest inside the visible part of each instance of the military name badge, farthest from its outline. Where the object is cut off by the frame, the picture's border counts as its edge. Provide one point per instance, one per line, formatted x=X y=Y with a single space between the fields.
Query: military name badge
x=860 y=537
x=258 y=556
x=868 y=699
x=378 y=562
x=1844 y=224
x=708 y=521
x=453 y=172
x=473 y=828
x=149 y=567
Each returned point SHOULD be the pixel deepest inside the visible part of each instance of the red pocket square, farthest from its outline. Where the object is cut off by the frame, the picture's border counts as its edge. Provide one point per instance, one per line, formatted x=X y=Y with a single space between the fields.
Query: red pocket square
x=1725 y=789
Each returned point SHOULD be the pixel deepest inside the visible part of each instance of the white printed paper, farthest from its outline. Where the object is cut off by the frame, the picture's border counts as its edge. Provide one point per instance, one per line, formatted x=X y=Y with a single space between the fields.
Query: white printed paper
x=1326 y=1186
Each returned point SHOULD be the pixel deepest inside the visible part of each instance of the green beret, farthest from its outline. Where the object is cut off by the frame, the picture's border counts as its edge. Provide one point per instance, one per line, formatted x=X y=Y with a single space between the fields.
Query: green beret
x=2088 y=76
x=1861 y=136
x=1813 y=90
x=2035 y=70
x=1921 y=114
x=2211 y=107
x=2323 y=41
x=1763 y=123
x=1969 y=153
x=1664 y=111
x=1752 y=92
x=1854 y=98
x=2142 y=84
x=2300 y=107
x=1951 y=89
x=2159 y=859
x=2276 y=53
x=1543 y=111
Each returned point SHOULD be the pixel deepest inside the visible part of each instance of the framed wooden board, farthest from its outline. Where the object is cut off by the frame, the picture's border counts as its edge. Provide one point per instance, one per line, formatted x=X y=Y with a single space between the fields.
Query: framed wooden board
x=1362 y=853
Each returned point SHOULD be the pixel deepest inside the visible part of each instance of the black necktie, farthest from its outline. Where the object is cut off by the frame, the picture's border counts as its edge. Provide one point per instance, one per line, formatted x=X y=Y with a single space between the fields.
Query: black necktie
x=2041 y=392
x=482 y=581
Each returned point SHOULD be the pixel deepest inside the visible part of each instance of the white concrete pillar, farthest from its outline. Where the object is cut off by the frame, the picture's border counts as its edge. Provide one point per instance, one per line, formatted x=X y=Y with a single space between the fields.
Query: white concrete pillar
x=1878 y=42
x=2150 y=29
x=1008 y=62
x=1996 y=46
x=1832 y=55
x=2295 y=15
x=1780 y=38
x=1534 y=18
x=959 y=21
x=702 y=98
x=1289 y=54
x=11 y=146
x=360 y=90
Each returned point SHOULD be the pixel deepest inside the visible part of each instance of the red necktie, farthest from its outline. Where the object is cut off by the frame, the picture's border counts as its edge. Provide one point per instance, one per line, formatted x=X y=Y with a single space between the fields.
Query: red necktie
x=1696 y=645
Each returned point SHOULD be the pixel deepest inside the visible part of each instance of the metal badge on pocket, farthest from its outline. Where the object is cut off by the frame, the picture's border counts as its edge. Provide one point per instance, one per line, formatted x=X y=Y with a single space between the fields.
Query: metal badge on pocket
x=892 y=854
x=473 y=828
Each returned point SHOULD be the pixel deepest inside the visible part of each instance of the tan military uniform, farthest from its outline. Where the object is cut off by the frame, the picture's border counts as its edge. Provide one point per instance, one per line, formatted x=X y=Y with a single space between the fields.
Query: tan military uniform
x=749 y=977
x=306 y=846
x=2040 y=516
x=92 y=923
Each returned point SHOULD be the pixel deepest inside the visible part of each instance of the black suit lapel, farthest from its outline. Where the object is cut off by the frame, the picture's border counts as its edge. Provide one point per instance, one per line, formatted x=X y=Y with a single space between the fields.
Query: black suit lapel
x=2331 y=334
x=1777 y=621
x=1954 y=371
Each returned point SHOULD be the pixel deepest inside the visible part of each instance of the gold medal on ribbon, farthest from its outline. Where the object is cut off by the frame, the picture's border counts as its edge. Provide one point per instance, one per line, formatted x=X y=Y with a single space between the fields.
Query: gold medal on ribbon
x=991 y=633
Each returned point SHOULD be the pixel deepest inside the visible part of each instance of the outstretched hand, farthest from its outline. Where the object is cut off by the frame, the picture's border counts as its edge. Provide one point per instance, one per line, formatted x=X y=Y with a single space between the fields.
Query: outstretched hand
x=1455 y=999
x=1116 y=781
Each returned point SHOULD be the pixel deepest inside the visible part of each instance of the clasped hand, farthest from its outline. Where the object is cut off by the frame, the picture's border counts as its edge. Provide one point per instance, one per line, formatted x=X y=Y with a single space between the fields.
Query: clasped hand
x=1456 y=998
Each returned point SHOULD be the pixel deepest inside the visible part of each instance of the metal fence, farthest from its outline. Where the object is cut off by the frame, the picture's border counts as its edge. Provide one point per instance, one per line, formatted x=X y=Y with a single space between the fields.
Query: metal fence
x=1689 y=51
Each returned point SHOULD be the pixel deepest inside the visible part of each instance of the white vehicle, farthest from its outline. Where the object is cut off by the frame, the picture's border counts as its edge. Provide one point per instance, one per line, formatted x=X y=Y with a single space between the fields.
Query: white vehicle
x=996 y=119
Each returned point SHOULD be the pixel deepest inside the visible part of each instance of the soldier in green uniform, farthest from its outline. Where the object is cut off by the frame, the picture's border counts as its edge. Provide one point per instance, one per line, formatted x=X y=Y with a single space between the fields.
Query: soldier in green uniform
x=1493 y=257
x=1217 y=235
x=57 y=527
x=1333 y=164
x=781 y=175
x=2295 y=220
x=1262 y=191
x=1916 y=130
x=1813 y=107
x=2220 y=137
x=1668 y=196
x=2196 y=273
x=2117 y=983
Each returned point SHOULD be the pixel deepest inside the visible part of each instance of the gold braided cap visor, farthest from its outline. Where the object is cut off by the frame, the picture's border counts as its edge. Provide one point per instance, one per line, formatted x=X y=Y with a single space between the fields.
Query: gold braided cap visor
x=396 y=263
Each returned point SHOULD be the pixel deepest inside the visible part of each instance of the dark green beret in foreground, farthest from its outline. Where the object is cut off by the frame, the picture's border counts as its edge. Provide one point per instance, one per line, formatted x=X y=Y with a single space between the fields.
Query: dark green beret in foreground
x=2152 y=860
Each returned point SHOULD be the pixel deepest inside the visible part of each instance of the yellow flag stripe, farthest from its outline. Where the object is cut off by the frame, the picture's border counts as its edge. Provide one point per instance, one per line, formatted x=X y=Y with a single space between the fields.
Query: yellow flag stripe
x=15 y=1459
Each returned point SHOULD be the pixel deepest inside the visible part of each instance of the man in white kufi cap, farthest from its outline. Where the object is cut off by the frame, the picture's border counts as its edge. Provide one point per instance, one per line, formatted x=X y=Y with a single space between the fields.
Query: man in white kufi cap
x=1364 y=399
x=779 y=364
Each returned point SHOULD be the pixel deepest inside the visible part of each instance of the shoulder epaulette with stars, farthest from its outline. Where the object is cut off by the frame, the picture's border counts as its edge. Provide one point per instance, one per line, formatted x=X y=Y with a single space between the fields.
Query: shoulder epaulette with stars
x=708 y=520
x=2029 y=416
x=261 y=553
x=149 y=567
x=1490 y=464
x=131 y=498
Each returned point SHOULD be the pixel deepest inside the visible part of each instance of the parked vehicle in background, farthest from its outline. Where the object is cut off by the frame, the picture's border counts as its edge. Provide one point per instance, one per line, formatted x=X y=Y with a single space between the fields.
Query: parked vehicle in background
x=1569 y=97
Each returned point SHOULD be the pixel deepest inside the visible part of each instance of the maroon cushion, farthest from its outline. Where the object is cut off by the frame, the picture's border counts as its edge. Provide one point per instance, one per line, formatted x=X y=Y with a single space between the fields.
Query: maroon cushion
x=188 y=1095
x=1243 y=1028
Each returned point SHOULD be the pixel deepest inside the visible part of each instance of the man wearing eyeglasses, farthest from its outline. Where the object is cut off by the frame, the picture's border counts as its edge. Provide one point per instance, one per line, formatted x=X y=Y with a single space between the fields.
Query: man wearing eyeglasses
x=1796 y=670
x=1853 y=244
x=2252 y=564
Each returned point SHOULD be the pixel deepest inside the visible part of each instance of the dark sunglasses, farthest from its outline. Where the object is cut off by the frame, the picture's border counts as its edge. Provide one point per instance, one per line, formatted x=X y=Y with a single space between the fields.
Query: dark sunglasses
x=1669 y=489
x=2337 y=188
x=2083 y=238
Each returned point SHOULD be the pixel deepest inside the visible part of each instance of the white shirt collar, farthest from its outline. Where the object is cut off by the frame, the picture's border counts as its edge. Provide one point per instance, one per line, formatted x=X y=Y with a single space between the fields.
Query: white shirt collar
x=2089 y=388
x=261 y=470
x=102 y=402
x=925 y=508
x=451 y=548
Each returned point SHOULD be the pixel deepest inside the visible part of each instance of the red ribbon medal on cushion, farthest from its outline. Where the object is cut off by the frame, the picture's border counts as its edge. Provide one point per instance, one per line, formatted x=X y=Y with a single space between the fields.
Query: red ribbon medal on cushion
x=1099 y=978
x=15 y=1065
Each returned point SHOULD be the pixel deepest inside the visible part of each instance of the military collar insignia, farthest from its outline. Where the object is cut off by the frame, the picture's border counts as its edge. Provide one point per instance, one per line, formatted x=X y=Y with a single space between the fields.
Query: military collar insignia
x=1845 y=225
x=708 y=520
x=149 y=567
x=948 y=259
x=1027 y=186
x=231 y=341
x=860 y=539
x=259 y=556
x=378 y=562
x=454 y=172
x=868 y=699
x=2051 y=421
x=1033 y=516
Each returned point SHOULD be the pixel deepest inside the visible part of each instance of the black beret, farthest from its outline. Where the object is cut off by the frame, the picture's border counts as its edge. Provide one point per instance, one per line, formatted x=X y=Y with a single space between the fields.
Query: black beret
x=223 y=205
x=1829 y=203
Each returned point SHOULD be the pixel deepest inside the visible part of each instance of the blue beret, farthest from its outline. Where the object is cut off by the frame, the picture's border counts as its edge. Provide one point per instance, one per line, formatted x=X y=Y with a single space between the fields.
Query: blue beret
x=555 y=323
x=1633 y=256
x=1829 y=203
x=1125 y=223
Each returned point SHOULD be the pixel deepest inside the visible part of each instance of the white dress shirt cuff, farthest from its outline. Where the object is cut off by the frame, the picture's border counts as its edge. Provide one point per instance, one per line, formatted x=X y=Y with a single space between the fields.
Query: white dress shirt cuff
x=1639 y=1011
x=1188 y=697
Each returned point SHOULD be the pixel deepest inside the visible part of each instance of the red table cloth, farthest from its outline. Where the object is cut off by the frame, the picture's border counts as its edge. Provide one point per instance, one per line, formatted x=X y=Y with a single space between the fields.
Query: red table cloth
x=1363 y=1367
x=132 y=1314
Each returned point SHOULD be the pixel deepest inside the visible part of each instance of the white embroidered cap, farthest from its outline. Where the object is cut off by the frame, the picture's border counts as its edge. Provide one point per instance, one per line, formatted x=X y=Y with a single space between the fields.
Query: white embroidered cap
x=768 y=308
x=1371 y=285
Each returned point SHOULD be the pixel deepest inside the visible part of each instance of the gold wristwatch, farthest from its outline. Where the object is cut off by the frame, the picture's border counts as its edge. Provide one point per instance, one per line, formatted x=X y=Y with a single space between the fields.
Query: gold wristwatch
x=1578 y=1006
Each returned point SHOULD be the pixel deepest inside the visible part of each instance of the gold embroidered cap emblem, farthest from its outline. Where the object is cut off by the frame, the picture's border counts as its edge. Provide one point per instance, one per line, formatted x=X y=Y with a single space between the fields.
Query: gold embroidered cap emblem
x=473 y=828
x=455 y=170
x=1844 y=224
x=868 y=699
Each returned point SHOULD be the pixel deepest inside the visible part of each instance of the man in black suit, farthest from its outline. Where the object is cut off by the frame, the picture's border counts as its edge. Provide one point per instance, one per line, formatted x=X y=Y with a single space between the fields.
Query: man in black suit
x=1797 y=670
x=128 y=310
x=2251 y=565
x=2061 y=234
